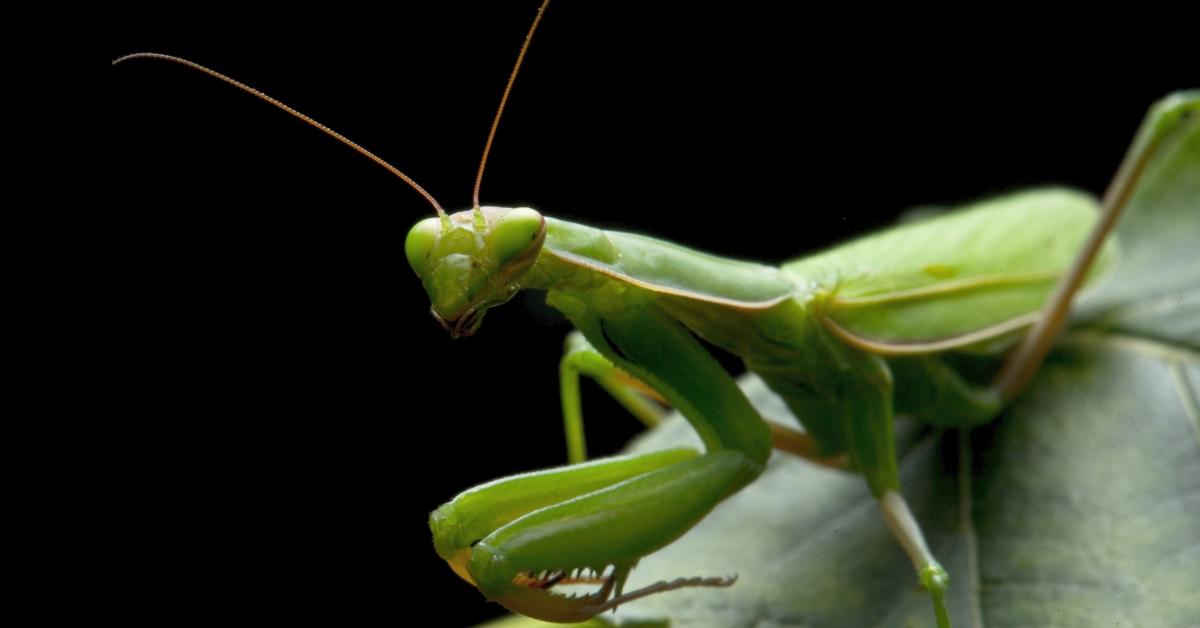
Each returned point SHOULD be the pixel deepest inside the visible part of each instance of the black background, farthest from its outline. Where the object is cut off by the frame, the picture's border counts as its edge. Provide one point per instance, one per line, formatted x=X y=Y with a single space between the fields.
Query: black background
x=294 y=411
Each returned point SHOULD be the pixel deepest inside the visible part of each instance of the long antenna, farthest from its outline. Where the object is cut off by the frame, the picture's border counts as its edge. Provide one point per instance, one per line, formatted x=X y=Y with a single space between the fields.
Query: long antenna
x=504 y=99
x=328 y=131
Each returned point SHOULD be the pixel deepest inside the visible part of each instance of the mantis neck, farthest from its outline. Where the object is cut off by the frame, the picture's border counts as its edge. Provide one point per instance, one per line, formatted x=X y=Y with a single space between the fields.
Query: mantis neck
x=578 y=257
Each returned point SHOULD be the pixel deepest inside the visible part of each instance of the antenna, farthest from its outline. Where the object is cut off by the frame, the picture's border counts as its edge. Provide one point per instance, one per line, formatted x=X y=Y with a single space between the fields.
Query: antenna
x=328 y=131
x=504 y=99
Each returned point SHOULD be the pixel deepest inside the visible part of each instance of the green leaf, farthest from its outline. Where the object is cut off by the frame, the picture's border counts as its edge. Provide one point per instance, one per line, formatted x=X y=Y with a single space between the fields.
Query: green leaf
x=1080 y=506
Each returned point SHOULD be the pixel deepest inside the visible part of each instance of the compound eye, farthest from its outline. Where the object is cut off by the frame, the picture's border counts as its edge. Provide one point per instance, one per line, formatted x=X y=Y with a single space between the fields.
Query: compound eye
x=419 y=243
x=515 y=234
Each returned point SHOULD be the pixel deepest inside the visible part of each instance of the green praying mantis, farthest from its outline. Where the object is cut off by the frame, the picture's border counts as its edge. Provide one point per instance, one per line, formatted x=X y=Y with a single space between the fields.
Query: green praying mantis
x=847 y=337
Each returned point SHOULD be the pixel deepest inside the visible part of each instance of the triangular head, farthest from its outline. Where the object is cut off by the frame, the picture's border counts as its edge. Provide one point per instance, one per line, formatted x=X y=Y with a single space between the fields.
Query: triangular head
x=473 y=260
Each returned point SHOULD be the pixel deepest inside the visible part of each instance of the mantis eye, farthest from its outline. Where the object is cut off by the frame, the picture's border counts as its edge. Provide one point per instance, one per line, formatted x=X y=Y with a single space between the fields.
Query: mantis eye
x=419 y=243
x=515 y=233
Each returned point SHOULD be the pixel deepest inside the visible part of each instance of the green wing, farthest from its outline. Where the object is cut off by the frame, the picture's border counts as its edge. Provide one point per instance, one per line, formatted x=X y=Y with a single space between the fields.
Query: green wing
x=955 y=280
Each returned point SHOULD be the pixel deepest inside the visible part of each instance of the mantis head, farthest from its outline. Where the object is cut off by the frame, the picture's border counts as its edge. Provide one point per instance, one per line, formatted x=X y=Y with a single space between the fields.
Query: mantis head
x=473 y=260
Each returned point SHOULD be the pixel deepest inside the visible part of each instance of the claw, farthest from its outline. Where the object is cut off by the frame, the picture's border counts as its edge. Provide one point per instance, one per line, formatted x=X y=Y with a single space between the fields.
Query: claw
x=663 y=586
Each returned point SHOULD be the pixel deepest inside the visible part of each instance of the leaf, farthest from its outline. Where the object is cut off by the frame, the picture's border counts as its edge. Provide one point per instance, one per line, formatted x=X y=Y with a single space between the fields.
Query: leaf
x=1082 y=509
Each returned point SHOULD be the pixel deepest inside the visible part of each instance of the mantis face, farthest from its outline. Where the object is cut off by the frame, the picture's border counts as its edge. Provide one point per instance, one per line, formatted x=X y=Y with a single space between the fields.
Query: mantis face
x=472 y=260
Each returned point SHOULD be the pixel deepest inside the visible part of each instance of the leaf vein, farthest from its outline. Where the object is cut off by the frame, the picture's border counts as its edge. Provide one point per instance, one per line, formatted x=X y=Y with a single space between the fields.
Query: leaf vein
x=1140 y=345
x=1187 y=396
